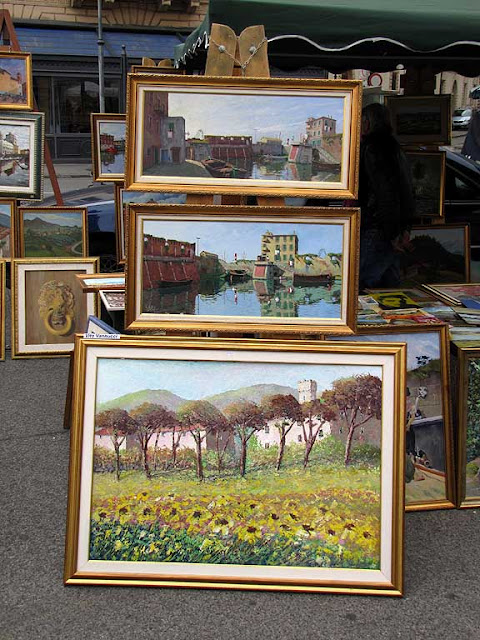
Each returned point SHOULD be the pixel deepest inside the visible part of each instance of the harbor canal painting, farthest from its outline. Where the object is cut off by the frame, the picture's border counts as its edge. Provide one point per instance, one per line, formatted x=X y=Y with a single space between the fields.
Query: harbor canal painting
x=14 y=155
x=242 y=268
x=237 y=463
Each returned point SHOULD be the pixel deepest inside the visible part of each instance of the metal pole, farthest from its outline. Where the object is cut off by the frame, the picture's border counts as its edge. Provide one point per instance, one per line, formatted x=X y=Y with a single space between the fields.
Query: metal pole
x=123 y=80
x=100 y=41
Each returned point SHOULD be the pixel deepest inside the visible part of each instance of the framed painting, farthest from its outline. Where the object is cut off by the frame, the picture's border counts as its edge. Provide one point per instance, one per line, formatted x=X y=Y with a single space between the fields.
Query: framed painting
x=108 y=146
x=436 y=254
x=467 y=382
x=140 y=68
x=260 y=136
x=429 y=473
x=16 y=86
x=21 y=155
x=225 y=495
x=52 y=232
x=428 y=176
x=235 y=268
x=101 y=281
x=113 y=300
x=3 y=285
x=97 y=328
x=421 y=120
x=7 y=235
x=49 y=305
x=453 y=293
x=124 y=198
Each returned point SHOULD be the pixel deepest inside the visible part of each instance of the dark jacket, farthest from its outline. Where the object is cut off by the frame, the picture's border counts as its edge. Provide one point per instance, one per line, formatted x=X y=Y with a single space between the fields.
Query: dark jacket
x=385 y=186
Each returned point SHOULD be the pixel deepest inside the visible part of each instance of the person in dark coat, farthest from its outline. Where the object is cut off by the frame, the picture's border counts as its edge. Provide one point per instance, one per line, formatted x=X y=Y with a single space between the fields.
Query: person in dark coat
x=471 y=144
x=385 y=198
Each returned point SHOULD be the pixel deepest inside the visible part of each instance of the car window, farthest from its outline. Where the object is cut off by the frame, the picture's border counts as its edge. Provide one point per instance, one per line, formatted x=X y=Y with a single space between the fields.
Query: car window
x=458 y=186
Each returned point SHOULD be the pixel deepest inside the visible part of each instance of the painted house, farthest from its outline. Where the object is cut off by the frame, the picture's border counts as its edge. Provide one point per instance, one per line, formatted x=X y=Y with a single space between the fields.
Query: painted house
x=168 y=262
x=9 y=84
x=300 y=153
x=164 y=441
x=280 y=248
x=318 y=128
x=268 y=147
x=198 y=150
x=8 y=145
x=229 y=148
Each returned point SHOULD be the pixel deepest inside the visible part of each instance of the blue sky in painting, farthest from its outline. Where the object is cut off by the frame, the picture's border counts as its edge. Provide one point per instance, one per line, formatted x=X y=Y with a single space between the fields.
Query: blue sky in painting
x=21 y=131
x=13 y=66
x=244 y=238
x=252 y=115
x=116 y=129
x=196 y=380
x=65 y=219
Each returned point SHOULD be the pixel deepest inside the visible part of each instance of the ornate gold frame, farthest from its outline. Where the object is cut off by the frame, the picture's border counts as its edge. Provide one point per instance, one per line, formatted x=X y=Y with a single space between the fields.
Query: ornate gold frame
x=87 y=284
x=348 y=89
x=29 y=105
x=18 y=311
x=95 y=120
x=13 y=207
x=464 y=354
x=348 y=217
x=85 y=363
x=19 y=226
x=444 y=297
x=3 y=285
x=442 y=330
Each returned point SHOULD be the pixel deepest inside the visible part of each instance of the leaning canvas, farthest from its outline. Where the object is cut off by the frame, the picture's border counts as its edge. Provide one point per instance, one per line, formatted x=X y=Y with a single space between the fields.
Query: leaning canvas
x=237 y=464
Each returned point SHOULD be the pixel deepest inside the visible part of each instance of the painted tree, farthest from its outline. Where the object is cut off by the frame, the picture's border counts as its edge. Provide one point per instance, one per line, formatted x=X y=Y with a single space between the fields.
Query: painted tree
x=150 y=419
x=119 y=424
x=200 y=418
x=316 y=414
x=286 y=411
x=245 y=419
x=358 y=399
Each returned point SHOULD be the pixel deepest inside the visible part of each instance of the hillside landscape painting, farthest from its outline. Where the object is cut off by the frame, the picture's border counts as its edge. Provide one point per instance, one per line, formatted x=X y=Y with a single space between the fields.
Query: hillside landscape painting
x=236 y=463
x=53 y=234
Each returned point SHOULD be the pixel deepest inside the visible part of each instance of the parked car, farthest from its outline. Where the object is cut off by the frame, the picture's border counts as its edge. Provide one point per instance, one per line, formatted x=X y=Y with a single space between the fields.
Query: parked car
x=461 y=118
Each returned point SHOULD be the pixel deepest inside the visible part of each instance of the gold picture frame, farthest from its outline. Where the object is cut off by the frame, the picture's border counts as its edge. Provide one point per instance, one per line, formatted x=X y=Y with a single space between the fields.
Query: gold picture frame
x=16 y=83
x=421 y=120
x=218 y=146
x=45 y=236
x=46 y=311
x=8 y=208
x=97 y=282
x=430 y=479
x=278 y=291
x=428 y=179
x=466 y=358
x=451 y=292
x=112 y=145
x=95 y=558
x=3 y=286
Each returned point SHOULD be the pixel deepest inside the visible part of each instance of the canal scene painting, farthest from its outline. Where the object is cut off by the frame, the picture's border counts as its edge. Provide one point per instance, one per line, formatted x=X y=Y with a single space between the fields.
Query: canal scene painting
x=236 y=462
x=258 y=136
x=262 y=269
x=427 y=428
x=109 y=146
x=14 y=155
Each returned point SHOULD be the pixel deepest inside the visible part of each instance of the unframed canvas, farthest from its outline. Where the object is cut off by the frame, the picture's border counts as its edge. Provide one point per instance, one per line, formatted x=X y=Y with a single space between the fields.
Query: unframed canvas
x=242 y=472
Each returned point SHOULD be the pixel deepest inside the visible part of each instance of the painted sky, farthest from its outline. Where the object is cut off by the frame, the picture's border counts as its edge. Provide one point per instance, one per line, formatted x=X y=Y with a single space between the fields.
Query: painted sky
x=130 y=197
x=5 y=209
x=21 y=131
x=244 y=238
x=66 y=219
x=196 y=380
x=418 y=344
x=13 y=66
x=116 y=129
x=252 y=115
x=452 y=240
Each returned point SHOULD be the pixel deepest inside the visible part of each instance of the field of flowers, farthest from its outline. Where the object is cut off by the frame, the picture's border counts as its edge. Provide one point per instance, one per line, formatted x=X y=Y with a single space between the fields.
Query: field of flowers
x=326 y=517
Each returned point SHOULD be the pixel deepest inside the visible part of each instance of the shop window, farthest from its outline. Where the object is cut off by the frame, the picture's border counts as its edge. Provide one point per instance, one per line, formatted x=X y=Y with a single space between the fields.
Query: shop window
x=76 y=99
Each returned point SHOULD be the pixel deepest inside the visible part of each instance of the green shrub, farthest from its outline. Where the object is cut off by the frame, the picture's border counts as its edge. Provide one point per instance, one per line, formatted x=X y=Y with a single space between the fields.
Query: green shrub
x=366 y=454
x=472 y=469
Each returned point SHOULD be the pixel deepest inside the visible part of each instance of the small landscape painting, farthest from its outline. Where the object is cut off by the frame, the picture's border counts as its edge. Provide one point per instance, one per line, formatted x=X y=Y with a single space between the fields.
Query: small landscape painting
x=7 y=208
x=51 y=233
x=15 y=143
x=428 y=175
x=233 y=268
x=472 y=445
x=15 y=81
x=235 y=463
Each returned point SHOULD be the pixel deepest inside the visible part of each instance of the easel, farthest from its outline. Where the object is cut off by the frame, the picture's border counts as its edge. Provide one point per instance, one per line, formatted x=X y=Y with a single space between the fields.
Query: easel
x=10 y=43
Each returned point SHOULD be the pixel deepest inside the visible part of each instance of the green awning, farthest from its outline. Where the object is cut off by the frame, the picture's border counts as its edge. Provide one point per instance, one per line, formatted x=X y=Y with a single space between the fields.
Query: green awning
x=440 y=28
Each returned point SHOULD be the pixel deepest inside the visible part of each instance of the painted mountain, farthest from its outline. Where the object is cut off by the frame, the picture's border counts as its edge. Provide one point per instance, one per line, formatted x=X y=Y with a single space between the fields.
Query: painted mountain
x=47 y=239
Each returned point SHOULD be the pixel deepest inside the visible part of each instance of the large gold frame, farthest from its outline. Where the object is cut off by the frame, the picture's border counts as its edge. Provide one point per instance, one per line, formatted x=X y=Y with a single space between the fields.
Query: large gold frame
x=296 y=215
x=95 y=119
x=464 y=354
x=396 y=354
x=17 y=310
x=3 y=285
x=350 y=89
x=442 y=331
x=28 y=106
x=20 y=229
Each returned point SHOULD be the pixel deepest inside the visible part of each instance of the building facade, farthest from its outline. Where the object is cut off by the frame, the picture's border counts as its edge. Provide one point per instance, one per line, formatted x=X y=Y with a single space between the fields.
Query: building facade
x=280 y=249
